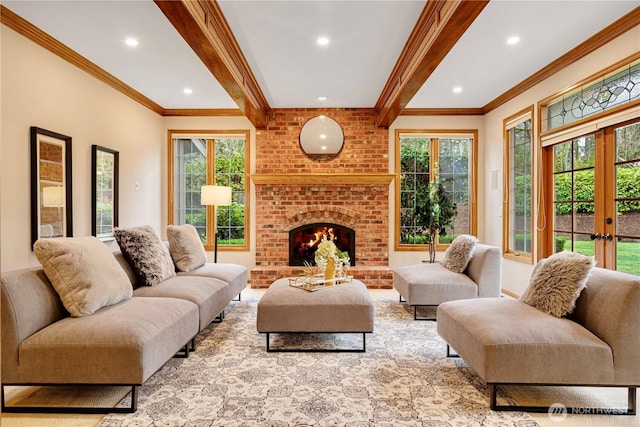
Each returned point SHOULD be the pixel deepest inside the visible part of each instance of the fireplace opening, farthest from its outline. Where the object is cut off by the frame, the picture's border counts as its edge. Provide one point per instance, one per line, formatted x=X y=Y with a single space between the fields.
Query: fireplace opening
x=304 y=240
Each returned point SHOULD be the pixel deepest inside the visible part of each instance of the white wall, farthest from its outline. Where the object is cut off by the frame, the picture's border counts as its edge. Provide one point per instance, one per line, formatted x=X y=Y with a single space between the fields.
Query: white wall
x=40 y=89
x=245 y=258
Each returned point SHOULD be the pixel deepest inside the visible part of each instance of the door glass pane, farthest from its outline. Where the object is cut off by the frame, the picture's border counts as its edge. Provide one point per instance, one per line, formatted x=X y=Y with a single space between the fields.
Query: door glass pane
x=563 y=187
x=584 y=219
x=628 y=255
x=562 y=157
x=584 y=152
x=583 y=244
x=563 y=217
x=627 y=198
x=563 y=242
x=583 y=188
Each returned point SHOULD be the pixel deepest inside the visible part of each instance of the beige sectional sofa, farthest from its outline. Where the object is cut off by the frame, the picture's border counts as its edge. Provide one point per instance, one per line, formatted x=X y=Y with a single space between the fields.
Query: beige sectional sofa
x=506 y=341
x=120 y=344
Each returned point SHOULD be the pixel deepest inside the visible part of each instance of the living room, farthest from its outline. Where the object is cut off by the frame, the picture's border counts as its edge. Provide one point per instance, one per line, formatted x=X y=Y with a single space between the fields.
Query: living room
x=39 y=88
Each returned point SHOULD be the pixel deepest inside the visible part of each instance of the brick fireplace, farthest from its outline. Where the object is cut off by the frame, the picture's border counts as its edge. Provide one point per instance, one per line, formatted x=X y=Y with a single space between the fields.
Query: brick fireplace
x=293 y=190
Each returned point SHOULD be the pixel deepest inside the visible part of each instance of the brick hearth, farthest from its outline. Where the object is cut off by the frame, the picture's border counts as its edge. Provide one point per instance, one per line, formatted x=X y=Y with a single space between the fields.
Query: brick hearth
x=293 y=190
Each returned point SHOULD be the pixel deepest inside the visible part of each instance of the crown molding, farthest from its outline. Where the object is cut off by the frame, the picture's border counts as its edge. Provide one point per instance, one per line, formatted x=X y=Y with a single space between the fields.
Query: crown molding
x=206 y=31
x=36 y=35
x=442 y=112
x=203 y=112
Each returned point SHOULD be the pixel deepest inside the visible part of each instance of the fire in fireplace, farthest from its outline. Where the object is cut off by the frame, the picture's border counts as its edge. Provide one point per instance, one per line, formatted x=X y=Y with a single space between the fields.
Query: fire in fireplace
x=303 y=241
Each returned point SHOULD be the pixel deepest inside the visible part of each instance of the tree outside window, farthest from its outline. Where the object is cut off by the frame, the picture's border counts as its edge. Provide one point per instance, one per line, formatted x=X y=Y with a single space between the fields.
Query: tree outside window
x=422 y=157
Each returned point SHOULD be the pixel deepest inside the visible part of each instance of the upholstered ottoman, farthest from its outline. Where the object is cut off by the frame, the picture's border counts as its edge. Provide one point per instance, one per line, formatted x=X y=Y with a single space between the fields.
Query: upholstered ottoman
x=344 y=308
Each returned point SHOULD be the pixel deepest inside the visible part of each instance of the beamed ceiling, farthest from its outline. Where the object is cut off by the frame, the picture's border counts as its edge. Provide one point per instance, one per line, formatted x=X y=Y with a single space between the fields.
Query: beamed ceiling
x=249 y=57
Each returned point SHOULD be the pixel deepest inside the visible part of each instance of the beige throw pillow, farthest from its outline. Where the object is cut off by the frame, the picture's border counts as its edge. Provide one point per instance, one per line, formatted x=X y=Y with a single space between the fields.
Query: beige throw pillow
x=458 y=253
x=556 y=283
x=186 y=247
x=84 y=272
x=148 y=256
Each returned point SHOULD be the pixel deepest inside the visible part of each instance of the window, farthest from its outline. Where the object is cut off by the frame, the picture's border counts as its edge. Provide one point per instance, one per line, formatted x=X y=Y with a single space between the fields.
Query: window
x=422 y=157
x=215 y=157
x=518 y=187
x=600 y=94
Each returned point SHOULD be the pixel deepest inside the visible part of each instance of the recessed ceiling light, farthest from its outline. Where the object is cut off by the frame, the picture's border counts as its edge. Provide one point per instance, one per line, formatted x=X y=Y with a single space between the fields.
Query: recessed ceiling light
x=187 y=91
x=322 y=98
x=131 y=42
x=457 y=89
x=322 y=41
x=513 y=40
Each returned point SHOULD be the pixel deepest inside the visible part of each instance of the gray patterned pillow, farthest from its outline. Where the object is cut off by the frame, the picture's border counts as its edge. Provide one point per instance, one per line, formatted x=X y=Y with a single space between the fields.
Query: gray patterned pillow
x=186 y=247
x=556 y=283
x=148 y=256
x=459 y=252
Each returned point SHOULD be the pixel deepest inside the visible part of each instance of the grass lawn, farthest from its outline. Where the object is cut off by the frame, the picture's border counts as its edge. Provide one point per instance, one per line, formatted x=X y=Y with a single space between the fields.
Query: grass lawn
x=628 y=255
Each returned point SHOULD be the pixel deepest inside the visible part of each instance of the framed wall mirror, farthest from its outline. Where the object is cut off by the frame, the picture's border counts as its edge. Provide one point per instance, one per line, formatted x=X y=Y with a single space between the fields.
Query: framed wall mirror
x=104 y=192
x=321 y=138
x=51 y=194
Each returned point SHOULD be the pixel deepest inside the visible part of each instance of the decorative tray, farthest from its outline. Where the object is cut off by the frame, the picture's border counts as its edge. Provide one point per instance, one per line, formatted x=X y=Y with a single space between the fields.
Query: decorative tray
x=317 y=282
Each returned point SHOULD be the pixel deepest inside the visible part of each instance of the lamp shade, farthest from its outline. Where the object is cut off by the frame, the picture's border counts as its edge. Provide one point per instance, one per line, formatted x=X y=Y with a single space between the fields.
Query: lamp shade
x=215 y=195
x=53 y=197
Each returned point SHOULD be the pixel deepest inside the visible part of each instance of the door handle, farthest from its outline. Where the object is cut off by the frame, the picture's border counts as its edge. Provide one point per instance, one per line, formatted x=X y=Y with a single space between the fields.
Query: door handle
x=608 y=237
x=595 y=236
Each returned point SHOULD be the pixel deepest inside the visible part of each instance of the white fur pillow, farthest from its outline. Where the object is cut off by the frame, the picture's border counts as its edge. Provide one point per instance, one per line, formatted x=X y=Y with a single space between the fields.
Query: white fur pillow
x=458 y=253
x=84 y=272
x=556 y=283
x=148 y=256
x=186 y=247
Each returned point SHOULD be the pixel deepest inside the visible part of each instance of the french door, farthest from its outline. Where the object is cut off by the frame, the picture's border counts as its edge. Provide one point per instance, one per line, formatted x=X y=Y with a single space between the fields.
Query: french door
x=596 y=196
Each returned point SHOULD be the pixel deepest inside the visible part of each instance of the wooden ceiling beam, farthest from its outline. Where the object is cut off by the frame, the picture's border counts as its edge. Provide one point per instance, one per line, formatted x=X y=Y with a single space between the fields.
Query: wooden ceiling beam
x=438 y=29
x=204 y=28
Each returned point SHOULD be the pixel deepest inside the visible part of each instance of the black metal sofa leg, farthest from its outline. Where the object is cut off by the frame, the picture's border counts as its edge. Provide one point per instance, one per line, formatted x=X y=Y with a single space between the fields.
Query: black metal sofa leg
x=629 y=410
x=72 y=409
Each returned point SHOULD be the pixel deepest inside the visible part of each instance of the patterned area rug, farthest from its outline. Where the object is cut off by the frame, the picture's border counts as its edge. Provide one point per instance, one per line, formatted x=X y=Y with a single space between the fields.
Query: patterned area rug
x=403 y=379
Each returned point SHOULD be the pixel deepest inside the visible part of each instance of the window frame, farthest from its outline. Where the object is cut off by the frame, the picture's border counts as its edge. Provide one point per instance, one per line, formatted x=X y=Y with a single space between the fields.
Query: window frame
x=436 y=134
x=211 y=135
x=509 y=123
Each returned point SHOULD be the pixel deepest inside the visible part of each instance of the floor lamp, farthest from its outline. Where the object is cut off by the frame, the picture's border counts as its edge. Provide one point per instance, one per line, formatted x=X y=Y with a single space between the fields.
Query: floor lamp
x=215 y=195
x=53 y=197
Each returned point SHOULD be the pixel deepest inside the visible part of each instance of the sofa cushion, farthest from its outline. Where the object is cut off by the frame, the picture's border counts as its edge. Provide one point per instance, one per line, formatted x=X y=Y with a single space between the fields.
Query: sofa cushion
x=235 y=275
x=556 y=283
x=124 y=343
x=83 y=272
x=186 y=247
x=210 y=295
x=148 y=256
x=458 y=254
x=432 y=284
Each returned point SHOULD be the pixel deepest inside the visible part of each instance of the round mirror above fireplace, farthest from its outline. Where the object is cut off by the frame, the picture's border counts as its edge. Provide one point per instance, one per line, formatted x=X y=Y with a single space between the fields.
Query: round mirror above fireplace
x=321 y=138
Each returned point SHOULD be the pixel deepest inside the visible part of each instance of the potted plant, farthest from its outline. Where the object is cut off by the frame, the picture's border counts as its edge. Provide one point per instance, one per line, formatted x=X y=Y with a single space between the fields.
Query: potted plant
x=435 y=211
